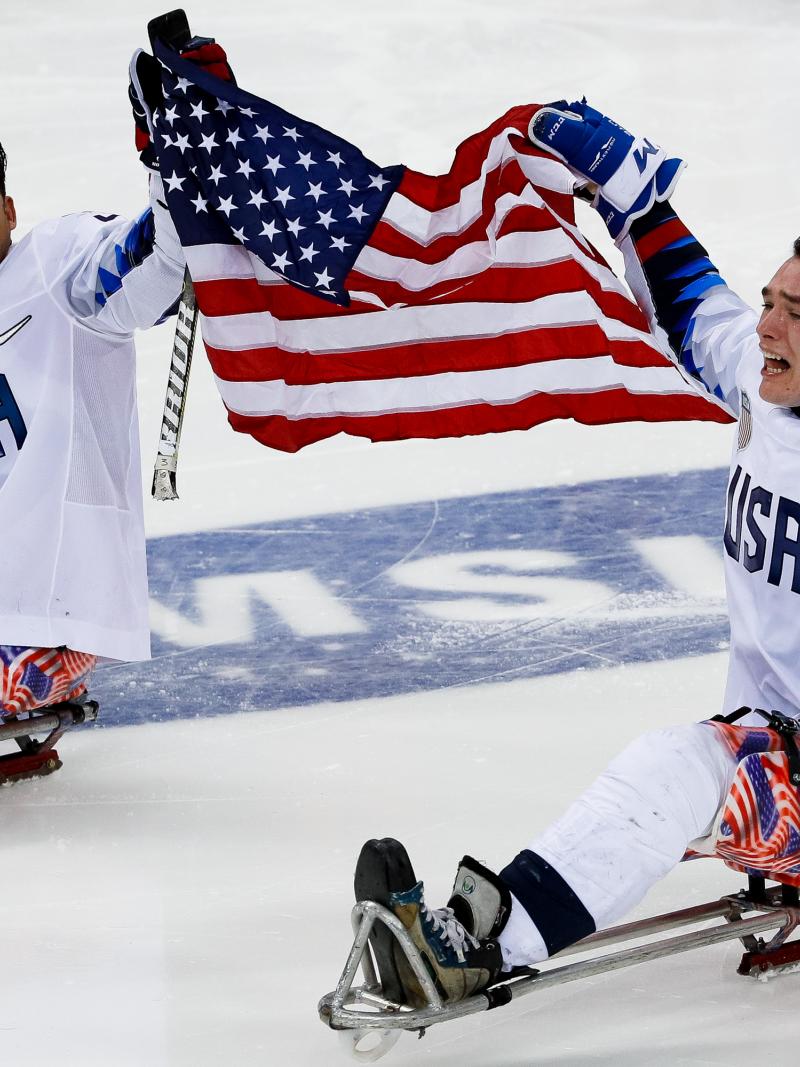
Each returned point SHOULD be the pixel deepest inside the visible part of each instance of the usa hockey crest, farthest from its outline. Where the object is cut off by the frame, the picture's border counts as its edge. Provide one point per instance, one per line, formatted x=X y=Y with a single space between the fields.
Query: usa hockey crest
x=745 y=423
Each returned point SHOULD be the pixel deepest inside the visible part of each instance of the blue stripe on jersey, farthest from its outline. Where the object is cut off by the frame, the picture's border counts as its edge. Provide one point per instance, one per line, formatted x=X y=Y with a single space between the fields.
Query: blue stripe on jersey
x=137 y=246
x=698 y=286
x=682 y=240
x=689 y=269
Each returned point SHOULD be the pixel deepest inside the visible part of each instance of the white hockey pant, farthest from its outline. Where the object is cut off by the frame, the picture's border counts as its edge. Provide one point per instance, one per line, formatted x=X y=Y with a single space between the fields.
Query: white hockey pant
x=629 y=828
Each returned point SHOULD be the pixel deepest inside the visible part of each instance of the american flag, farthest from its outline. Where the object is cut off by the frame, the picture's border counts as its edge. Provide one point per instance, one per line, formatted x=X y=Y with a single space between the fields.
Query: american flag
x=337 y=295
x=760 y=822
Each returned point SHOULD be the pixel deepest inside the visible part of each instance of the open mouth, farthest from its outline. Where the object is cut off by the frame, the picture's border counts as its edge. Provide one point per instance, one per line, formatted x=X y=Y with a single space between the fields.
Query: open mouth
x=774 y=364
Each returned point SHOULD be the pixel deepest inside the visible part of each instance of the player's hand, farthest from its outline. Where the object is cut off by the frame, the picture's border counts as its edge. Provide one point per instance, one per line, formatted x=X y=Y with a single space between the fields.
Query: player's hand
x=630 y=172
x=210 y=56
x=145 y=95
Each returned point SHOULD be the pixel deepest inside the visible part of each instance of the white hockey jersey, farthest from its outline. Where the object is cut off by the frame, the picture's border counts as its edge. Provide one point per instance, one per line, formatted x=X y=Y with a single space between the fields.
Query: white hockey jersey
x=762 y=523
x=72 y=547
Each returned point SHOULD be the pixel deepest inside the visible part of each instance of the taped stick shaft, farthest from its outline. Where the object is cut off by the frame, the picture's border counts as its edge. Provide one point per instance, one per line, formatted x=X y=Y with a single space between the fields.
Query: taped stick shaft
x=166 y=465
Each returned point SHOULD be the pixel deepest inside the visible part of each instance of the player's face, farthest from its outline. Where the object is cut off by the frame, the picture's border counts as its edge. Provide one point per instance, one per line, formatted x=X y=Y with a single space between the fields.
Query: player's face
x=8 y=222
x=779 y=334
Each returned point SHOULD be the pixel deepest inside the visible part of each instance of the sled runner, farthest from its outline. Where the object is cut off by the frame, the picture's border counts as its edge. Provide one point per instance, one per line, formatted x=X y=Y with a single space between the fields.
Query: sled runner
x=372 y=1024
x=35 y=758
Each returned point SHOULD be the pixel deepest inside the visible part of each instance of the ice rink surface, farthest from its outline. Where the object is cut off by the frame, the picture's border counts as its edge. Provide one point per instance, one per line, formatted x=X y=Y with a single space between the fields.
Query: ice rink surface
x=442 y=641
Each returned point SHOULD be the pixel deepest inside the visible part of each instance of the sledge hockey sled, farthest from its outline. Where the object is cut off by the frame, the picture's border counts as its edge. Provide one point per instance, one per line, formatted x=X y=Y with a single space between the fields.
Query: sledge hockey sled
x=35 y=758
x=370 y=1024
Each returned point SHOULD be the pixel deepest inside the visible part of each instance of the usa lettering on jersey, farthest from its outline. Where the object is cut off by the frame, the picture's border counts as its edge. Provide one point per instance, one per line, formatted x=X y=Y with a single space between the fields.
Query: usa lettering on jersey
x=762 y=531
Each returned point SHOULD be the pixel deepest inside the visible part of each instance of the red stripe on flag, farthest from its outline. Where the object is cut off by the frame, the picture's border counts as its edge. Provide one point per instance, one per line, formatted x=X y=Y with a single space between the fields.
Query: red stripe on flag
x=431 y=357
x=589 y=408
x=521 y=218
x=499 y=284
x=434 y=192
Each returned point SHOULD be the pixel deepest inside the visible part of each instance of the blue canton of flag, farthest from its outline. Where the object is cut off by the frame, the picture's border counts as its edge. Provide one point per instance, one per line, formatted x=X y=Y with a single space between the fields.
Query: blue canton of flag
x=239 y=170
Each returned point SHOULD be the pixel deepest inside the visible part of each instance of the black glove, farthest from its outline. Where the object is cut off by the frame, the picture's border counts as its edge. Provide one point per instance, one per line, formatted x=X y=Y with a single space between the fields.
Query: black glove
x=145 y=95
x=145 y=92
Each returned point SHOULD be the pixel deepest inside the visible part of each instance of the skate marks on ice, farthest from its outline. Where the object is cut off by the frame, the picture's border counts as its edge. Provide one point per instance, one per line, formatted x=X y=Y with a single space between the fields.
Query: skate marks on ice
x=430 y=595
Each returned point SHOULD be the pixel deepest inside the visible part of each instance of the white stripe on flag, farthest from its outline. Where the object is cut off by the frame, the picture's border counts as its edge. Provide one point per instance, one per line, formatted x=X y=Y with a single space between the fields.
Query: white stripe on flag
x=409 y=325
x=507 y=385
x=424 y=226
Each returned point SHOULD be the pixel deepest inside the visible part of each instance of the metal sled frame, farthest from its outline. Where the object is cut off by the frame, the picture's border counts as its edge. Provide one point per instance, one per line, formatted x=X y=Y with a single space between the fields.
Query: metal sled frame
x=36 y=758
x=360 y=1011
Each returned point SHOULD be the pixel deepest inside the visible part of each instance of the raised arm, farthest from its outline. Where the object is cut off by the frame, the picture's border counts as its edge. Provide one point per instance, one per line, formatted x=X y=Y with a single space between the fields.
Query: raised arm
x=705 y=326
x=118 y=275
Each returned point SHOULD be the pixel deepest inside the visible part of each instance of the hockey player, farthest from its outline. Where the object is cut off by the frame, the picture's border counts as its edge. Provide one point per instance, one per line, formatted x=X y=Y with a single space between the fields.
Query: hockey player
x=73 y=581
x=670 y=788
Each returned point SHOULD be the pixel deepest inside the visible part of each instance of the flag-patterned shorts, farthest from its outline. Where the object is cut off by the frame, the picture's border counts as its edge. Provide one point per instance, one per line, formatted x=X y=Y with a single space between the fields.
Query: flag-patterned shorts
x=759 y=831
x=35 y=677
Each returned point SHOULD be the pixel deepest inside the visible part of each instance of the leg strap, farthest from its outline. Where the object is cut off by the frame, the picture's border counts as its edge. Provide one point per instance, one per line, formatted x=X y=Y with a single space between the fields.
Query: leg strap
x=557 y=912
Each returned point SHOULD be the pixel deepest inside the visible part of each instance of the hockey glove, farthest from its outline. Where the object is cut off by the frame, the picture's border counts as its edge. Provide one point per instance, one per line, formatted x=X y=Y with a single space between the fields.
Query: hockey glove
x=144 y=93
x=210 y=56
x=630 y=173
x=146 y=96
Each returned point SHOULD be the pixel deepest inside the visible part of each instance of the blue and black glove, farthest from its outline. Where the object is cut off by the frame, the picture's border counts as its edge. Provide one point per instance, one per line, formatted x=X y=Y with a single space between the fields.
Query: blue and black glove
x=630 y=173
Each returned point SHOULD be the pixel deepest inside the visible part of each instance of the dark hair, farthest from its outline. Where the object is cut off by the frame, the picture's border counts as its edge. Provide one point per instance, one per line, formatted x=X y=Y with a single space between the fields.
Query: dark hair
x=797 y=247
x=3 y=172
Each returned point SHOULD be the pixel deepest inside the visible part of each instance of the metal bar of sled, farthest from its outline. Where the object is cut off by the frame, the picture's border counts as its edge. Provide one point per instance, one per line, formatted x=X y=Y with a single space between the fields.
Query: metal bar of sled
x=658 y=924
x=41 y=724
x=23 y=727
x=339 y=1017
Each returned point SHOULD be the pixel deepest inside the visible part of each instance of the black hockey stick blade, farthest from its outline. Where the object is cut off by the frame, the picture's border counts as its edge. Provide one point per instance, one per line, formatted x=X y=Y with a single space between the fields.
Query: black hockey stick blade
x=172 y=28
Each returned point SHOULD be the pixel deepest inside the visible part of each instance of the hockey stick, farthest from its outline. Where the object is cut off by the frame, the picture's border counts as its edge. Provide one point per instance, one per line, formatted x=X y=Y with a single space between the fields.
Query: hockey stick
x=166 y=465
x=173 y=27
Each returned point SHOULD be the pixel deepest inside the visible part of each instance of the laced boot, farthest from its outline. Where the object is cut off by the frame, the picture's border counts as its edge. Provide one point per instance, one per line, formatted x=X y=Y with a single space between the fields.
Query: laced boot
x=459 y=963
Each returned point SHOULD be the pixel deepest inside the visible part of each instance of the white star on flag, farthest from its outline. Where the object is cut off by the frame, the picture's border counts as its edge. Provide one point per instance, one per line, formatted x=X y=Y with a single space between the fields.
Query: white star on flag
x=174 y=182
x=356 y=212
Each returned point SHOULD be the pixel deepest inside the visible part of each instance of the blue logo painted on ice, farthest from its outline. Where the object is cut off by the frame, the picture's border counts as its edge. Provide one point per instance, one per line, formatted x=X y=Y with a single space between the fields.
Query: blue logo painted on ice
x=422 y=596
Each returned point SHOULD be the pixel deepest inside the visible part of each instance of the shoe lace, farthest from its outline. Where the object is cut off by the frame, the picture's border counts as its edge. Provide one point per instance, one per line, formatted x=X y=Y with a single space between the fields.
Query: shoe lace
x=450 y=930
